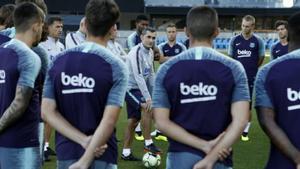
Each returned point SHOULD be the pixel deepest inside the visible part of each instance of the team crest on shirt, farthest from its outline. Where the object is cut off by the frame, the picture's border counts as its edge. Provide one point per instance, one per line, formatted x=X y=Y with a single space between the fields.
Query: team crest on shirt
x=252 y=45
x=177 y=50
x=2 y=76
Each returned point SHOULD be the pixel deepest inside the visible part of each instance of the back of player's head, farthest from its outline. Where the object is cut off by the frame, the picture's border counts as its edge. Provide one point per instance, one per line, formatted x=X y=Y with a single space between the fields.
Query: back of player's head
x=25 y=15
x=281 y=22
x=6 y=15
x=294 y=28
x=140 y=18
x=148 y=29
x=249 y=18
x=101 y=15
x=202 y=22
x=53 y=19
x=39 y=3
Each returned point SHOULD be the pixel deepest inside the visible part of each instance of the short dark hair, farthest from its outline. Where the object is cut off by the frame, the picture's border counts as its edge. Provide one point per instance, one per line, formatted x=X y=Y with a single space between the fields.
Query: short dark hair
x=39 y=3
x=202 y=22
x=53 y=19
x=6 y=15
x=101 y=15
x=294 y=28
x=27 y=14
x=148 y=29
x=281 y=22
x=140 y=18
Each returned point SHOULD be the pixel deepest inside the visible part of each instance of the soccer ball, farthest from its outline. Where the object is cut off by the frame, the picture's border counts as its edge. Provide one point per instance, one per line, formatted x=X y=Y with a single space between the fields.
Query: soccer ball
x=151 y=160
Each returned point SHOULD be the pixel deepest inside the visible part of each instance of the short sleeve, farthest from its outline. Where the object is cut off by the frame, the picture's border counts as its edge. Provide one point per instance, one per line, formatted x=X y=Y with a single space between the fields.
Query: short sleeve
x=29 y=66
x=117 y=93
x=262 y=48
x=241 y=90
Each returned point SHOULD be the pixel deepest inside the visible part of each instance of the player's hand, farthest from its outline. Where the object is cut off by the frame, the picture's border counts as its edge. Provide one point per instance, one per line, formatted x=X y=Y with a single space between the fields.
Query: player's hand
x=298 y=166
x=156 y=53
x=223 y=154
x=204 y=164
x=100 y=150
x=86 y=141
x=147 y=106
x=212 y=143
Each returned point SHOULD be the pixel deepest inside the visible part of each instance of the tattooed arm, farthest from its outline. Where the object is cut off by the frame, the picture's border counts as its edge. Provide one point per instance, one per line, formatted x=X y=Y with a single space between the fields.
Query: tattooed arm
x=16 y=108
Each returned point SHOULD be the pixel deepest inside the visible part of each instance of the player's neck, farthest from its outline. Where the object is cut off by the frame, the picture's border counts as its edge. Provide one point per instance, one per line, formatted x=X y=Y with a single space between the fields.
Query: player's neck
x=204 y=43
x=99 y=40
x=171 y=43
x=26 y=38
x=247 y=36
x=284 y=41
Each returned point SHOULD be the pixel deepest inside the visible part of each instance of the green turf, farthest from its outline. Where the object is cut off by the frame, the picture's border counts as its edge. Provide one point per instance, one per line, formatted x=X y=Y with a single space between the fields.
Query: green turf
x=247 y=155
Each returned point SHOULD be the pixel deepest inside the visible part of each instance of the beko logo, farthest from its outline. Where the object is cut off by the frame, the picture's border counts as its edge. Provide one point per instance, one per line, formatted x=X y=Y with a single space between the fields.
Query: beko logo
x=293 y=95
x=2 y=76
x=243 y=53
x=207 y=92
x=83 y=84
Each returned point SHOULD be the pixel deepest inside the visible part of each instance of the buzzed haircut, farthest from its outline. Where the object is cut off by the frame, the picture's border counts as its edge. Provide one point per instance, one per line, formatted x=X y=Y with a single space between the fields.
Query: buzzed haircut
x=171 y=25
x=249 y=18
x=6 y=15
x=101 y=15
x=148 y=29
x=53 y=19
x=294 y=28
x=281 y=22
x=25 y=15
x=140 y=18
x=202 y=22
x=40 y=3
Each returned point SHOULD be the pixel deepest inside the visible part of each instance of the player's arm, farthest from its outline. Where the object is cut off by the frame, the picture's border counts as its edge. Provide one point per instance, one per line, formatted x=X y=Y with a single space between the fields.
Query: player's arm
x=138 y=76
x=231 y=47
x=266 y=118
x=240 y=117
x=176 y=132
x=17 y=107
x=261 y=52
x=162 y=57
x=130 y=41
x=110 y=116
x=29 y=68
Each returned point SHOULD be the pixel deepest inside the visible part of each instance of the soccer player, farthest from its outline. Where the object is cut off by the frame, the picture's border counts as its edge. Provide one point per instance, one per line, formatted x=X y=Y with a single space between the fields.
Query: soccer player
x=280 y=48
x=138 y=95
x=6 y=20
x=248 y=49
x=82 y=102
x=197 y=96
x=171 y=47
x=134 y=39
x=115 y=47
x=75 y=38
x=52 y=45
x=19 y=102
x=277 y=102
